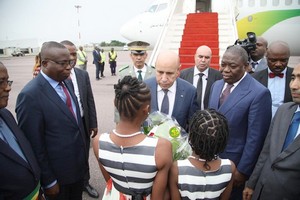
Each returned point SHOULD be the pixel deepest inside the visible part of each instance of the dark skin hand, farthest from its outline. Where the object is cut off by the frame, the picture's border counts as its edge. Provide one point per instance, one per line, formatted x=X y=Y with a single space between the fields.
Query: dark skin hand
x=52 y=191
x=239 y=179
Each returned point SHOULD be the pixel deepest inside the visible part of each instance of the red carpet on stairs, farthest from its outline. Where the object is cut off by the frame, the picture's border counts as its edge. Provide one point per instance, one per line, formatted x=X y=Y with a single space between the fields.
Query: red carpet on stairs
x=200 y=29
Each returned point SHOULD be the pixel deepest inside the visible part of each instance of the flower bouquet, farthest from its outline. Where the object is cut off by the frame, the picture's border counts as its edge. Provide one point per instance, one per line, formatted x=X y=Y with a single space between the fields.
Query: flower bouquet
x=161 y=125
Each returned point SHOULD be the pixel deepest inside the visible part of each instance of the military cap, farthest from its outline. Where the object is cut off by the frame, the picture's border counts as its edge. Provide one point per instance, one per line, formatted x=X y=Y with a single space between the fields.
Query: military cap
x=138 y=47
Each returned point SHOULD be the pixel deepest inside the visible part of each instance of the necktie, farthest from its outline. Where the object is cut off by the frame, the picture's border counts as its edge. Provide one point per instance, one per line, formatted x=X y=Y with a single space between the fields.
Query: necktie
x=68 y=98
x=292 y=130
x=10 y=139
x=140 y=78
x=225 y=93
x=272 y=75
x=199 y=89
x=253 y=64
x=165 y=103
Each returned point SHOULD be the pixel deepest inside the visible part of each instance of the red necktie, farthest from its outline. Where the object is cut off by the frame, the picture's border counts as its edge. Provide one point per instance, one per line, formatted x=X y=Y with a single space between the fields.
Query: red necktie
x=272 y=75
x=225 y=94
x=68 y=98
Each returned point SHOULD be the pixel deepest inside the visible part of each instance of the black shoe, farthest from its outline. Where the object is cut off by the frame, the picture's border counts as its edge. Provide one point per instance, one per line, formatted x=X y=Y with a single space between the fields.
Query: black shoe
x=91 y=191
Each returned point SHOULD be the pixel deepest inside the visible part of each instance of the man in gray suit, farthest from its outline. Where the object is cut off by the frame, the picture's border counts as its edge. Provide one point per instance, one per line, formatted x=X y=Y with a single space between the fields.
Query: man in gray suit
x=277 y=171
x=201 y=75
x=257 y=57
x=80 y=82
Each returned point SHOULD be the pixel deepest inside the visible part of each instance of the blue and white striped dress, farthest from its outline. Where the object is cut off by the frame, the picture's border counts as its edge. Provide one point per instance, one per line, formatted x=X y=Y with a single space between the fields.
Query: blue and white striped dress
x=197 y=184
x=132 y=169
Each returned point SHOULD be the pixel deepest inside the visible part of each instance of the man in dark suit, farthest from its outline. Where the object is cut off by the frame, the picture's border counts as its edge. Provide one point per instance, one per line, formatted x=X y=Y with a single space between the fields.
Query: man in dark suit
x=181 y=94
x=247 y=106
x=48 y=113
x=201 y=75
x=258 y=61
x=79 y=80
x=97 y=61
x=278 y=75
x=277 y=171
x=19 y=170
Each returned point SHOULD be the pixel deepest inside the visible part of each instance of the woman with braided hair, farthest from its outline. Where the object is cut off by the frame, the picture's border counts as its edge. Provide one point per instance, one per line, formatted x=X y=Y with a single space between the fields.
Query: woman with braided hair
x=204 y=175
x=134 y=165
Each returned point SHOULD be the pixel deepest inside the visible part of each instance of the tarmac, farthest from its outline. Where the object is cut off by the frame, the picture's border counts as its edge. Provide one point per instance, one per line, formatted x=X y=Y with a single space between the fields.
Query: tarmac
x=20 y=71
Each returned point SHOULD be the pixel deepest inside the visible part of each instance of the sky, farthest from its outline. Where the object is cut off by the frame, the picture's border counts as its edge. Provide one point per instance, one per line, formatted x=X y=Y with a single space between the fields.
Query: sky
x=45 y=20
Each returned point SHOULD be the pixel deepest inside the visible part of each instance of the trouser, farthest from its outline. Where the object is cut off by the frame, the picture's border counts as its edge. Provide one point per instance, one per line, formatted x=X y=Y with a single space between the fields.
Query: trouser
x=69 y=192
x=97 y=70
x=113 y=65
x=102 y=68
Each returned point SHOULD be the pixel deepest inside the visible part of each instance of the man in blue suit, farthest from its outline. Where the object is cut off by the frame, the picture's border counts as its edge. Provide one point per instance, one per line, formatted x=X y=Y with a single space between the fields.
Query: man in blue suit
x=247 y=106
x=182 y=96
x=48 y=113
x=19 y=170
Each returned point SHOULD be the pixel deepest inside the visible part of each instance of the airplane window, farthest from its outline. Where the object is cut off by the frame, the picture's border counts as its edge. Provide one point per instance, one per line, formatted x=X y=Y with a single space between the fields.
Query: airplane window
x=275 y=2
x=152 y=8
x=251 y=3
x=263 y=2
x=162 y=7
x=288 y=2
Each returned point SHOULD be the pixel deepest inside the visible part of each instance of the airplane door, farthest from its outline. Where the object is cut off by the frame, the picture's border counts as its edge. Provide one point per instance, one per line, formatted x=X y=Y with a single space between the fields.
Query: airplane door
x=203 y=5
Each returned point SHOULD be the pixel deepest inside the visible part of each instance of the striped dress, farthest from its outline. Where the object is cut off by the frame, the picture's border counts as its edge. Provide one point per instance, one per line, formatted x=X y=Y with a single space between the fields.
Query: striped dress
x=132 y=169
x=197 y=184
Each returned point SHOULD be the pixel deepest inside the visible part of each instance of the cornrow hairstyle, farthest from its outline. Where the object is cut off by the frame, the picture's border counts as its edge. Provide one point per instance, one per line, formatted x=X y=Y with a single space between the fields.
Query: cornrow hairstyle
x=130 y=95
x=208 y=134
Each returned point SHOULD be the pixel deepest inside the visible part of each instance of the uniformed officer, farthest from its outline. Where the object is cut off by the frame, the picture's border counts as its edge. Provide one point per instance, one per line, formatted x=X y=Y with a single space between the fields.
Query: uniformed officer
x=138 y=55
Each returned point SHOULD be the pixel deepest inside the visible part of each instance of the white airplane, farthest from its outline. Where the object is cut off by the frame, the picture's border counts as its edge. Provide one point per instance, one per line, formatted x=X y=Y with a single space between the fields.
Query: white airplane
x=272 y=19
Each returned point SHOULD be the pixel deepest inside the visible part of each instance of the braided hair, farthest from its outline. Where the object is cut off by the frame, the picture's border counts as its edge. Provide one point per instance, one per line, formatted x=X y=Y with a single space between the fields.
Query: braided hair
x=208 y=134
x=130 y=95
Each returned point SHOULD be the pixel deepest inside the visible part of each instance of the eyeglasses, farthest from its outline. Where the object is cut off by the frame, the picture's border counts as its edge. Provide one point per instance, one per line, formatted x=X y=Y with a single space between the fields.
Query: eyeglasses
x=5 y=83
x=63 y=63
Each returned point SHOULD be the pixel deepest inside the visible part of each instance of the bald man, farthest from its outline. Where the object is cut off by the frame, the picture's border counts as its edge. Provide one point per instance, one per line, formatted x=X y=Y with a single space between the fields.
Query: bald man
x=181 y=95
x=201 y=75
x=277 y=76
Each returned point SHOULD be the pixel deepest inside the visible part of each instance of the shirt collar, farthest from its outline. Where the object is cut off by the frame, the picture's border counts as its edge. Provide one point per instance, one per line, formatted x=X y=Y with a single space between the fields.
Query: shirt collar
x=171 y=89
x=196 y=72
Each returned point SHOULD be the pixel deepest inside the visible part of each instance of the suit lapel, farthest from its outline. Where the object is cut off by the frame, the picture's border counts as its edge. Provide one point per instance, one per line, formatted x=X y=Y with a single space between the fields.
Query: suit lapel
x=180 y=93
x=240 y=92
x=279 y=141
x=54 y=97
x=7 y=150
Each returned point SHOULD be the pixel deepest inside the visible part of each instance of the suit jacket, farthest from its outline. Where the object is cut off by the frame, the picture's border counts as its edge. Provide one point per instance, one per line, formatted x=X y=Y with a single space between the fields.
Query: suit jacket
x=129 y=71
x=262 y=77
x=185 y=104
x=277 y=173
x=248 y=111
x=96 y=57
x=262 y=65
x=18 y=177
x=213 y=75
x=86 y=98
x=57 y=138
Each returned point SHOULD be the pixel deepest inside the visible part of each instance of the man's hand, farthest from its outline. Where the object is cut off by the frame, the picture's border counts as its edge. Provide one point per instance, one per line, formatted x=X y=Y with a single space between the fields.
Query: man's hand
x=239 y=179
x=93 y=132
x=52 y=191
x=247 y=193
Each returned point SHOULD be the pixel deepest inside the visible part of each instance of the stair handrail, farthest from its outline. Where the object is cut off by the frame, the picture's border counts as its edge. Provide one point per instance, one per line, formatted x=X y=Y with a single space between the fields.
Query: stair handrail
x=162 y=34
